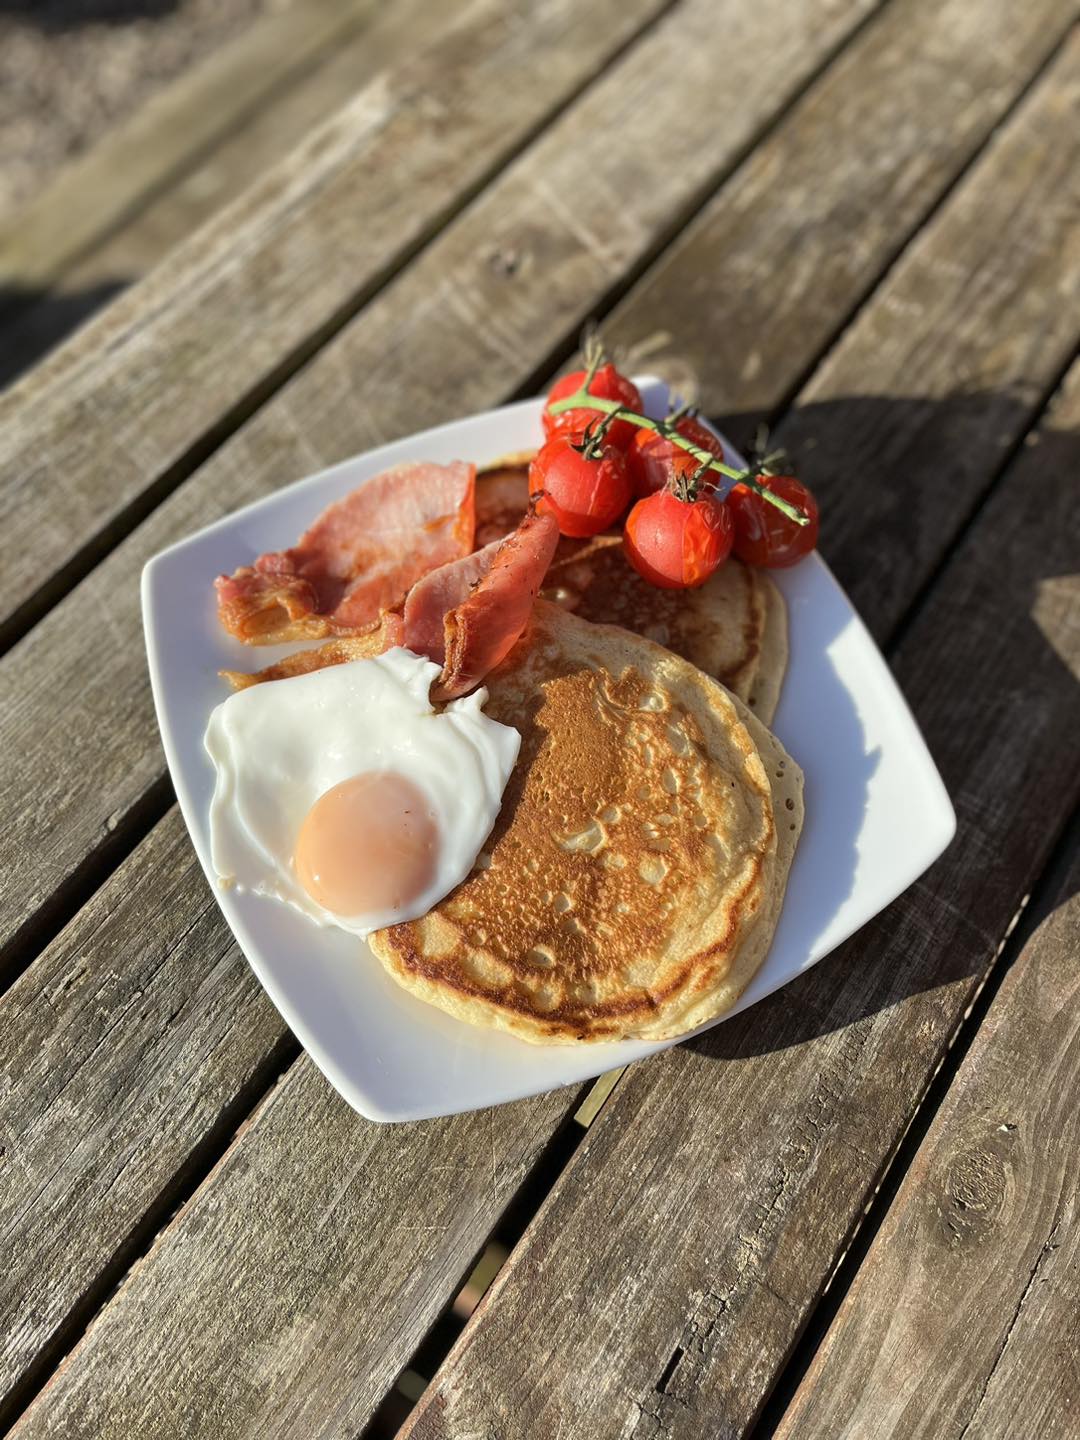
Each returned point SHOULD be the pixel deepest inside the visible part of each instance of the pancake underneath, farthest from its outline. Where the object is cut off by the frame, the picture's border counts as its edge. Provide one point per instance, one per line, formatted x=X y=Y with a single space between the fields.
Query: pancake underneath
x=635 y=874
x=734 y=627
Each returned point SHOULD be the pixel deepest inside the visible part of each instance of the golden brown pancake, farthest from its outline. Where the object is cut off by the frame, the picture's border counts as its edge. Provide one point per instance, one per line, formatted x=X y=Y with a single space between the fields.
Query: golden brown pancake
x=633 y=879
x=764 y=688
x=502 y=496
x=734 y=627
x=719 y=626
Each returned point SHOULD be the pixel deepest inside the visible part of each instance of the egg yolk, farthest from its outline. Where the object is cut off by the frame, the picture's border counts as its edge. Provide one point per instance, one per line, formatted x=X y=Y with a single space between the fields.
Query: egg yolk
x=367 y=845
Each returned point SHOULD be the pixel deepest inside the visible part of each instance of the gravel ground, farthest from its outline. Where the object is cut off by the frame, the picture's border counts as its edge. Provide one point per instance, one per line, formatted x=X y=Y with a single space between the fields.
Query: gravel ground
x=69 y=70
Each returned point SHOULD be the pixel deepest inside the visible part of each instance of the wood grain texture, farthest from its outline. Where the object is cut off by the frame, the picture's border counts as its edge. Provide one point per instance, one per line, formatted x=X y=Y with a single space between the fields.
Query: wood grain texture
x=220 y=1361
x=1002 y=283
x=815 y=215
x=139 y=1035
x=468 y=322
x=212 y=329
x=98 y=190
x=954 y=352
x=102 y=1223
x=715 y=1192
x=371 y=1228
x=962 y=1319
x=301 y=100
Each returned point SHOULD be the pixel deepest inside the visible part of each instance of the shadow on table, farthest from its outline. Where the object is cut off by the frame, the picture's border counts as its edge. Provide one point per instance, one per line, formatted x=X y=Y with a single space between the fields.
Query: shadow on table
x=59 y=15
x=33 y=322
x=1038 y=690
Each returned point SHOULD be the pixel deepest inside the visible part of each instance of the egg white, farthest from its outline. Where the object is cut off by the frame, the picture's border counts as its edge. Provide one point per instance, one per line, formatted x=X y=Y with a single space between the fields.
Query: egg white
x=278 y=746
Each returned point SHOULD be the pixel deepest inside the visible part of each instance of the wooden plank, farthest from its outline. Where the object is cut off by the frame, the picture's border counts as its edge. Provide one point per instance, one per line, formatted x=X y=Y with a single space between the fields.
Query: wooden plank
x=714 y=1193
x=461 y=328
x=102 y=187
x=140 y=1038
x=303 y=99
x=102 y=1234
x=175 y=362
x=860 y=1115
x=962 y=1317
x=895 y=118
x=391 y=1216
x=386 y=351
x=999 y=261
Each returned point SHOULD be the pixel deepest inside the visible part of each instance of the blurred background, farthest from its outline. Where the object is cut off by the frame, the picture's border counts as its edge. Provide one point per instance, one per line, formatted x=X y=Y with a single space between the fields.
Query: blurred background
x=125 y=123
x=69 y=69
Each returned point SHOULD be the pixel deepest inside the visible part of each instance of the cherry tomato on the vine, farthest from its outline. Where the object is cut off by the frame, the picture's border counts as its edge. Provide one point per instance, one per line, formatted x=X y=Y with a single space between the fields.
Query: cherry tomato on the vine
x=677 y=544
x=585 y=496
x=606 y=384
x=691 y=428
x=763 y=534
x=656 y=461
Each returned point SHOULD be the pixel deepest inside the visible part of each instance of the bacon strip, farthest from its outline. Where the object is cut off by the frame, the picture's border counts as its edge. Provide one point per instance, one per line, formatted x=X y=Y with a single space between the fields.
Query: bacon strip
x=466 y=615
x=360 y=558
x=481 y=630
x=366 y=645
x=437 y=593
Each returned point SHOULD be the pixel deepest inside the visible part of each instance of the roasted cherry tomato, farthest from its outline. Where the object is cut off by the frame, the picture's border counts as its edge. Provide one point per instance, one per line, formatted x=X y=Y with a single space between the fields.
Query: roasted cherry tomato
x=691 y=428
x=655 y=461
x=585 y=496
x=607 y=384
x=763 y=534
x=677 y=544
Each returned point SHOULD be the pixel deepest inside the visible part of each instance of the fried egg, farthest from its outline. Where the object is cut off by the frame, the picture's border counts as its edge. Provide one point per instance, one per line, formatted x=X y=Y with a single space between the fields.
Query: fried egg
x=345 y=794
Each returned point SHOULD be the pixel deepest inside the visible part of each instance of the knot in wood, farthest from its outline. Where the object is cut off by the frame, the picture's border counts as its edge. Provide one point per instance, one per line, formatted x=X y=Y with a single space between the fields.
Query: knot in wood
x=506 y=261
x=973 y=1196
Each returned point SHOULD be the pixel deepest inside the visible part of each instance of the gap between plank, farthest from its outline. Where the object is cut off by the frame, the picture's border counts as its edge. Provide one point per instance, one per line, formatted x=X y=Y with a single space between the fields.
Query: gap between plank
x=538 y=1185
x=848 y=321
x=211 y=1152
x=1033 y=911
x=65 y=902
x=174 y=1195
x=534 y=1190
x=94 y=550
x=1029 y=436
x=23 y=948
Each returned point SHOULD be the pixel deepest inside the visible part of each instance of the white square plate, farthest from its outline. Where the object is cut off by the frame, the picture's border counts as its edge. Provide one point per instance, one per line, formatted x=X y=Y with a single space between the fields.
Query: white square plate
x=877 y=814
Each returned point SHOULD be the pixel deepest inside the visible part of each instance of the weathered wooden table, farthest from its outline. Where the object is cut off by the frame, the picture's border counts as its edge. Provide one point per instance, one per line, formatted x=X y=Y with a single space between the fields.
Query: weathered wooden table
x=850 y=1211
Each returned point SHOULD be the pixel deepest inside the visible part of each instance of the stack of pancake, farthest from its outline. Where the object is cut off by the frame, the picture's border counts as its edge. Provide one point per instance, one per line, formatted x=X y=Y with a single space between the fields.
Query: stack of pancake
x=633 y=880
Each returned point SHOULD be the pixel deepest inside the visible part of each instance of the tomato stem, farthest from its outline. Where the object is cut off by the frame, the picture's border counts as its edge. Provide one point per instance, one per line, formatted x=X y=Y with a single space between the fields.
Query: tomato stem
x=582 y=400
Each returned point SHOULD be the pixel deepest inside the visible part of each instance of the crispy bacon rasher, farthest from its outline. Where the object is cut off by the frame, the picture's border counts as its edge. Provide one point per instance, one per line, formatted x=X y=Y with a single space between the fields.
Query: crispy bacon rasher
x=466 y=614
x=481 y=630
x=360 y=558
